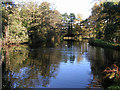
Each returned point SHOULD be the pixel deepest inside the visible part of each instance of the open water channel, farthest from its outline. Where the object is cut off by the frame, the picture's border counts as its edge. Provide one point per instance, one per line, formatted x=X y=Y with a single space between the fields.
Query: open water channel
x=68 y=65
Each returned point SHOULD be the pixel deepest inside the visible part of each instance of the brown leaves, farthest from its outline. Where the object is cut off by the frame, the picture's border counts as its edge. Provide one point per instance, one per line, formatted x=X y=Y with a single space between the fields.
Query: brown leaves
x=112 y=72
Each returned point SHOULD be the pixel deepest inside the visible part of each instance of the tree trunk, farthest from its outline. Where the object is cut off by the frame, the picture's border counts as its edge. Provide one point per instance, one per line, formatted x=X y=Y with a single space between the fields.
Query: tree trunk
x=6 y=34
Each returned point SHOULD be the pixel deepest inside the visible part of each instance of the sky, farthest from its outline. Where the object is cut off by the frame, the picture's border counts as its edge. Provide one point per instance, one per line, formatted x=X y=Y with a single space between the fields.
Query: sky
x=82 y=7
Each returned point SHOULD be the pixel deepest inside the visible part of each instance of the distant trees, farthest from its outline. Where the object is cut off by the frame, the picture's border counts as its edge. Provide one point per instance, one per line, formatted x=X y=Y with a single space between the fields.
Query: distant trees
x=77 y=30
x=102 y=24
x=76 y=26
x=72 y=17
x=67 y=22
x=81 y=29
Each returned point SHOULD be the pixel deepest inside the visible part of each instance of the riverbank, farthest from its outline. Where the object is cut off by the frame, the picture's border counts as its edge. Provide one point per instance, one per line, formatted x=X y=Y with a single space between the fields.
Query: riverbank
x=104 y=44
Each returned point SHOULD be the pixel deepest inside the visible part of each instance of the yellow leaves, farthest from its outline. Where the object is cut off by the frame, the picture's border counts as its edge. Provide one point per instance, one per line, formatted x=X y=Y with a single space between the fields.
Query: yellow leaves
x=112 y=75
x=111 y=72
x=79 y=17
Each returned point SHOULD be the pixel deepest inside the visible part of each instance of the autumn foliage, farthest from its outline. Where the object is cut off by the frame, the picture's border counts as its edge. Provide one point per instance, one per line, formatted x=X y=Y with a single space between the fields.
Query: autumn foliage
x=112 y=72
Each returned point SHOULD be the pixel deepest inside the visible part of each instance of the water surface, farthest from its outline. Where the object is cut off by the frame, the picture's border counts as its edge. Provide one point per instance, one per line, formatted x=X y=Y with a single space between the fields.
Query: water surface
x=68 y=65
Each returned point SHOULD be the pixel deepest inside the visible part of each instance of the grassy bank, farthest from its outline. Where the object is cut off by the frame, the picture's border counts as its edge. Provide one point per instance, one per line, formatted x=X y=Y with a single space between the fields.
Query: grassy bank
x=104 y=44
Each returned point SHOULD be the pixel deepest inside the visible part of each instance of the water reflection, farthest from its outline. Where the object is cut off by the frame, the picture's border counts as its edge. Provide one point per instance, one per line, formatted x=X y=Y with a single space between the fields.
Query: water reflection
x=100 y=59
x=28 y=69
x=69 y=65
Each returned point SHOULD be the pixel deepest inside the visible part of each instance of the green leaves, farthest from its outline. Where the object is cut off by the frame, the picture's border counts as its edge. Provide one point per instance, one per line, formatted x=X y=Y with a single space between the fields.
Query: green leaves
x=112 y=75
x=104 y=21
x=39 y=21
x=30 y=19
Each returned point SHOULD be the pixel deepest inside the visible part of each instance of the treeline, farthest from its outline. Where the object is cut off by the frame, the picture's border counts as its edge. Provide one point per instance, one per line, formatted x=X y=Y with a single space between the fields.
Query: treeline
x=30 y=22
x=37 y=23
x=104 y=23
x=74 y=25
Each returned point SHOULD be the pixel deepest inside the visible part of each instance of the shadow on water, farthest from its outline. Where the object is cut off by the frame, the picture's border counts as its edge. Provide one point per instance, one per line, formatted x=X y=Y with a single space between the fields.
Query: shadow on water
x=101 y=58
x=25 y=67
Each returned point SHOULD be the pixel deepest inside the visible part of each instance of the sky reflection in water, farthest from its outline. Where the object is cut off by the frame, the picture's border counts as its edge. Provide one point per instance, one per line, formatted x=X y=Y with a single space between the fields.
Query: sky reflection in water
x=70 y=65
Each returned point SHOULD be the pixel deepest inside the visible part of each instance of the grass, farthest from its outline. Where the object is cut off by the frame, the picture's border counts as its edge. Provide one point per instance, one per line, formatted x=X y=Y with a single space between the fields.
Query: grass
x=104 y=44
x=114 y=87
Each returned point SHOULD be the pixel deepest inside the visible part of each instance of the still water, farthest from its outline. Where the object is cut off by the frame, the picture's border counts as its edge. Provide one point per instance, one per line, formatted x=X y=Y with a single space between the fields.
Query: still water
x=67 y=65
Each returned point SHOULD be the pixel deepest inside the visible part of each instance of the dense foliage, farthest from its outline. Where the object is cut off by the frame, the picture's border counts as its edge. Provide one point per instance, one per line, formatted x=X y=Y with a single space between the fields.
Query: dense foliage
x=33 y=23
x=41 y=21
x=12 y=28
x=104 y=21
x=39 y=24
x=30 y=22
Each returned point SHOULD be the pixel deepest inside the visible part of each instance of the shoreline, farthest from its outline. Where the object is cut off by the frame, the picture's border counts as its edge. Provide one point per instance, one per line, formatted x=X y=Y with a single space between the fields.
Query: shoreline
x=104 y=44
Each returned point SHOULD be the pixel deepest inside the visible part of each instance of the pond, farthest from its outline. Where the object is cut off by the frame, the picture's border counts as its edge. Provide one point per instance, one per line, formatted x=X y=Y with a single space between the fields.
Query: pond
x=68 y=65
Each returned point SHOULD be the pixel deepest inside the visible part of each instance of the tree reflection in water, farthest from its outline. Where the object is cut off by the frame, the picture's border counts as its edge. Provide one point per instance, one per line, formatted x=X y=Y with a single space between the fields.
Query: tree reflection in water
x=71 y=55
x=101 y=58
x=30 y=68
x=26 y=69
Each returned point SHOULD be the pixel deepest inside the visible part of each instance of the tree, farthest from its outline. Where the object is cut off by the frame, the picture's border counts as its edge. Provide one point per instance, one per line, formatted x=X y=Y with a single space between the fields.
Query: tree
x=70 y=23
x=65 y=20
x=13 y=31
x=79 y=18
x=112 y=19
x=104 y=21
x=42 y=22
